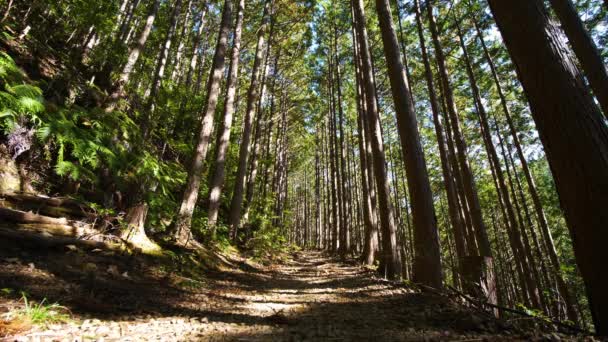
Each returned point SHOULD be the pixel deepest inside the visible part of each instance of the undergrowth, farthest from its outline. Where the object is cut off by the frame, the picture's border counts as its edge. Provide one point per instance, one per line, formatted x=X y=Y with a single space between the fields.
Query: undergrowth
x=32 y=314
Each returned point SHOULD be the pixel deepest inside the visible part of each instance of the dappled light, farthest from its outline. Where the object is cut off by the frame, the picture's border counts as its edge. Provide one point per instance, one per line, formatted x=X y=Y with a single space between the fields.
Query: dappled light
x=303 y=170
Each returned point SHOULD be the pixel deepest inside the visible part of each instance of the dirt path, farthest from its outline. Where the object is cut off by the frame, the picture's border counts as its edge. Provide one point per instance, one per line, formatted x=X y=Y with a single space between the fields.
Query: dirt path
x=309 y=298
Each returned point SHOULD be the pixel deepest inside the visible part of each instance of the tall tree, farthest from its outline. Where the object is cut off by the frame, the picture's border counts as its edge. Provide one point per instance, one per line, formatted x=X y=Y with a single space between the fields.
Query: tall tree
x=448 y=178
x=245 y=147
x=344 y=222
x=217 y=180
x=390 y=263
x=159 y=73
x=182 y=231
x=132 y=59
x=538 y=207
x=370 y=243
x=427 y=262
x=572 y=131
x=586 y=50
x=480 y=270
x=523 y=255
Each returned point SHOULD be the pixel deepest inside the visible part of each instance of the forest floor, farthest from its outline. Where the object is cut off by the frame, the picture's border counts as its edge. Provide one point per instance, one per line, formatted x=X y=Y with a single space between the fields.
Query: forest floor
x=306 y=297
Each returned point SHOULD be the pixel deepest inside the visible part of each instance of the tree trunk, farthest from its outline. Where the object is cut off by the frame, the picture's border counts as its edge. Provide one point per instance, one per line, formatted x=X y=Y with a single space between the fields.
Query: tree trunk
x=217 y=181
x=127 y=19
x=7 y=11
x=135 y=233
x=391 y=264
x=333 y=170
x=184 y=217
x=195 y=47
x=163 y=57
x=518 y=233
x=125 y=74
x=452 y=197
x=572 y=131
x=253 y=93
x=183 y=39
x=544 y=227
x=427 y=261
x=344 y=226
x=487 y=279
x=585 y=49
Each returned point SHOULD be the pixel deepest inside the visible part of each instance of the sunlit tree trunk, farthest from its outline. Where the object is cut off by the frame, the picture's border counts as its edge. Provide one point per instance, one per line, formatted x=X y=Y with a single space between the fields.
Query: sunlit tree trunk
x=134 y=53
x=182 y=226
x=7 y=11
x=161 y=65
x=245 y=147
x=195 y=47
x=391 y=264
x=219 y=174
x=480 y=270
x=538 y=207
x=527 y=261
x=344 y=221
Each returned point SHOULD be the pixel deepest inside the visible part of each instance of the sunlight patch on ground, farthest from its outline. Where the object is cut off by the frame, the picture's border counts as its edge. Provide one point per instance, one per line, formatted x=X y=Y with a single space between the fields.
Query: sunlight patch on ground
x=272 y=308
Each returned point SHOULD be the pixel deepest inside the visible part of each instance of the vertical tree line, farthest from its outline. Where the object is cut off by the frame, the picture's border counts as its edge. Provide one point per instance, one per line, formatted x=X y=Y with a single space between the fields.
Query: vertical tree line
x=460 y=145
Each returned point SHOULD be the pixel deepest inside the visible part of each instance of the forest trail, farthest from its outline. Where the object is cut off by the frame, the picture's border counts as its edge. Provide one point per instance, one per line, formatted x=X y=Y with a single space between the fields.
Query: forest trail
x=310 y=297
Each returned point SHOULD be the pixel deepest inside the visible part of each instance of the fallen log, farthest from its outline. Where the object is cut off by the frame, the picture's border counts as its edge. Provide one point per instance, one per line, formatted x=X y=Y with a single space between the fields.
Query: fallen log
x=22 y=217
x=18 y=216
x=53 y=206
x=51 y=201
x=42 y=236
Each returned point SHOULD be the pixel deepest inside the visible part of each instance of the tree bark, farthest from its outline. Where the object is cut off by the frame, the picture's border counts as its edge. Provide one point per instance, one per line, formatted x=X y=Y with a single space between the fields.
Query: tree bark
x=391 y=264
x=253 y=93
x=219 y=175
x=538 y=207
x=518 y=233
x=585 y=49
x=125 y=74
x=452 y=197
x=469 y=182
x=427 y=261
x=161 y=64
x=344 y=226
x=184 y=217
x=183 y=39
x=7 y=11
x=572 y=131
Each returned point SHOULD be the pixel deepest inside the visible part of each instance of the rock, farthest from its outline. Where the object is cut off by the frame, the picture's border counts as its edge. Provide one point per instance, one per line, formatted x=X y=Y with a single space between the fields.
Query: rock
x=10 y=181
x=103 y=330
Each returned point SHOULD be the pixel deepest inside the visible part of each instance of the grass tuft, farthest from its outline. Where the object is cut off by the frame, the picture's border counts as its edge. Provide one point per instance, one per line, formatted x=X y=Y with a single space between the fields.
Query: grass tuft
x=43 y=313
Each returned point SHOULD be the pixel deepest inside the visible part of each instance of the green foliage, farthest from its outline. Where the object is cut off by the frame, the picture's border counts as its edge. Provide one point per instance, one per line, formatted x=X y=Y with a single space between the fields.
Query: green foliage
x=18 y=100
x=84 y=140
x=42 y=313
x=268 y=242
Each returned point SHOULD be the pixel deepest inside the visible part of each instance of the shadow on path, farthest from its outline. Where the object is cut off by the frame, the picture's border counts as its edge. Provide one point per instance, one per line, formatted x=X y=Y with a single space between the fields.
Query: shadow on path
x=310 y=297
